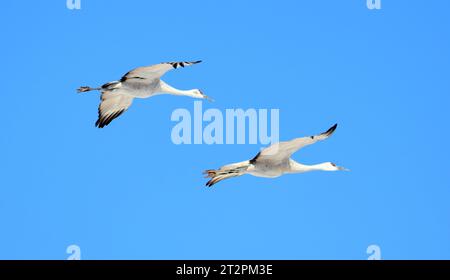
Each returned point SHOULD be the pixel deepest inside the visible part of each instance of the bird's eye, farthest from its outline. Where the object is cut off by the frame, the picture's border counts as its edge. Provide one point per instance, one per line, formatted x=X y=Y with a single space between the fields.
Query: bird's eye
x=333 y=164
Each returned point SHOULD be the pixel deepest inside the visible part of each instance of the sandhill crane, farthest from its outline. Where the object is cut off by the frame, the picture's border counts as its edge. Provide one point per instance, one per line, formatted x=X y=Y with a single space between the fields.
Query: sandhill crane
x=274 y=161
x=142 y=82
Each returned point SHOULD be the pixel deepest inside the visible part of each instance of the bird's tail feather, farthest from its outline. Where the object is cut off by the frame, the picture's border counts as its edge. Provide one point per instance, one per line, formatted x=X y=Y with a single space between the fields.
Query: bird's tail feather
x=86 y=89
x=226 y=172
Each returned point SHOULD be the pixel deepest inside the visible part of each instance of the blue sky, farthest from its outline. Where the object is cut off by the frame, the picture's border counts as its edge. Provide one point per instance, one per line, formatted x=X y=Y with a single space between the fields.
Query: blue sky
x=127 y=192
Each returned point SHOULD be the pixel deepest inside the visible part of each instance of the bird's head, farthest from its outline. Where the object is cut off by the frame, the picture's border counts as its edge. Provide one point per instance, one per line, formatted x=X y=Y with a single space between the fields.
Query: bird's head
x=199 y=94
x=330 y=166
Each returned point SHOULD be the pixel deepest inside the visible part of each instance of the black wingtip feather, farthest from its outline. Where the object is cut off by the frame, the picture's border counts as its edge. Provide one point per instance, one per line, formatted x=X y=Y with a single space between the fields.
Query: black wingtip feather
x=177 y=64
x=106 y=120
x=331 y=130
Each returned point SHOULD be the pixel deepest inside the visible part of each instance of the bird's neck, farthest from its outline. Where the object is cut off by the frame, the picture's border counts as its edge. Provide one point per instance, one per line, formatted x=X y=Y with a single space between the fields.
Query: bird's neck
x=296 y=167
x=165 y=88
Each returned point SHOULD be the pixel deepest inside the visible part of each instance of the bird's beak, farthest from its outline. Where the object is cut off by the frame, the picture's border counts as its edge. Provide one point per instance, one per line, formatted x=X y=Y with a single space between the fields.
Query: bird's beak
x=343 y=168
x=207 y=97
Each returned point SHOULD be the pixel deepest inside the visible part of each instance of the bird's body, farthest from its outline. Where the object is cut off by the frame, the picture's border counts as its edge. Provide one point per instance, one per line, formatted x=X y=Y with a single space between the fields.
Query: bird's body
x=266 y=170
x=274 y=161
x=142 y=82
x=134 y=89
x=141 y=90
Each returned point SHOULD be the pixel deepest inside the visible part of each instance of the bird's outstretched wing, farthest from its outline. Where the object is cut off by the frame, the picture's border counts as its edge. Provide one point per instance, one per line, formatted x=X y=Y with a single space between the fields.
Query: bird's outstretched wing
x=283 y=150
x=155 y=71
x=112 y=105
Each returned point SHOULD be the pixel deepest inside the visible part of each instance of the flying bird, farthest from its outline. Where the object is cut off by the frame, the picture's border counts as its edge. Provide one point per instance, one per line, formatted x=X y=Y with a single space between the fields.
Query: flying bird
x=142 y=82
x=274 y=161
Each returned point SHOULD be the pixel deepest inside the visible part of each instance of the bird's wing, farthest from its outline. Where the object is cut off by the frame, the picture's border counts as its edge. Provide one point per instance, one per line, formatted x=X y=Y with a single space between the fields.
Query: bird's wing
x=112 y=105
x=155 y=71
x=283 y=150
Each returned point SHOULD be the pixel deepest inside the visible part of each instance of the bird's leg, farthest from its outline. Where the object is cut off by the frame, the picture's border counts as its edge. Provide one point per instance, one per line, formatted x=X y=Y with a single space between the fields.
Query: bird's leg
x=86 y=89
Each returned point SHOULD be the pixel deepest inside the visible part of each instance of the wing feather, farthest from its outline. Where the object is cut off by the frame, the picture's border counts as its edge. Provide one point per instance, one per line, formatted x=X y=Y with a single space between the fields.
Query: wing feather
x=283 y=150
x=112 y=105
x=155 y=71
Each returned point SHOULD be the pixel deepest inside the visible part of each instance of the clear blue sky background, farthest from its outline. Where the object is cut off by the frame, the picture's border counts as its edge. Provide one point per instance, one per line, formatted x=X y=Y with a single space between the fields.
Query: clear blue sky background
x=127 y=192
